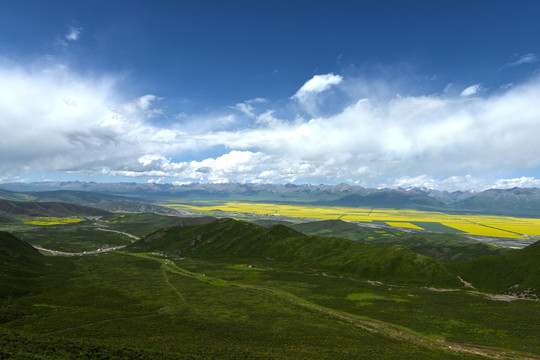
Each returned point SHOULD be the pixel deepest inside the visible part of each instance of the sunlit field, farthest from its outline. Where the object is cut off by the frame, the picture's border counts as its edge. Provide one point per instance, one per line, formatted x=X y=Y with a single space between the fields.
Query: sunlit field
x=480 y=225
x=45 y=221
x=404 y=224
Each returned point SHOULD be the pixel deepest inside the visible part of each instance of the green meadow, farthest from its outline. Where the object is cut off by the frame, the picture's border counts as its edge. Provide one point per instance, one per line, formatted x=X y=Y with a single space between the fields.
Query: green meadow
x=234 y=290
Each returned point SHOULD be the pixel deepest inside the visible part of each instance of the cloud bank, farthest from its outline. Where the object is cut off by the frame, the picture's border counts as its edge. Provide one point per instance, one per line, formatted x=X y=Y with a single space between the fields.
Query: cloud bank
x=54 y=120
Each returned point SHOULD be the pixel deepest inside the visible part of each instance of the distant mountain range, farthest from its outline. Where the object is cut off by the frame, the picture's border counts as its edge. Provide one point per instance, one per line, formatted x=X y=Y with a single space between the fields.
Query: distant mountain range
x=394 y=199
x=22 y=203
x=514 y=202
x=31 y=208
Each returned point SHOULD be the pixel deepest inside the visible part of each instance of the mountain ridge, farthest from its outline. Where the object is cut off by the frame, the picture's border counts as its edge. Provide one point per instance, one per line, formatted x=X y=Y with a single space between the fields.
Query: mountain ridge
x=442 y=247
x=523 y=202
x=102 y=201
x=235 y=240
x=515 y=273
x=55 y=209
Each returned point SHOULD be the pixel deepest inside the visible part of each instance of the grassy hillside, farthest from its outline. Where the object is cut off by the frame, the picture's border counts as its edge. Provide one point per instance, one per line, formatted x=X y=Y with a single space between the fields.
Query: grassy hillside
x=206 y=305
x=445 y=247
x=514 y=273
x=15 y=252
x=171 y=313
x=5 y=219
x=23 y=269
x=345 y=230
x=442 y=247
x=240 y=241
x=14 y=196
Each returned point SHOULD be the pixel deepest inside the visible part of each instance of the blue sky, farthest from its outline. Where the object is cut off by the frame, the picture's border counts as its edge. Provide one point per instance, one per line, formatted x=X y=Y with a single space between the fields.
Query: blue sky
x=440 y=94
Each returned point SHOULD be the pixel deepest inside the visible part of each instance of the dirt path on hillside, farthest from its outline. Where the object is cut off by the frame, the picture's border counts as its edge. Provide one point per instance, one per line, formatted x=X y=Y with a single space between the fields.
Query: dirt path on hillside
x=166 y=277
x=100 y=322
x=371 y=325
x=399 y=332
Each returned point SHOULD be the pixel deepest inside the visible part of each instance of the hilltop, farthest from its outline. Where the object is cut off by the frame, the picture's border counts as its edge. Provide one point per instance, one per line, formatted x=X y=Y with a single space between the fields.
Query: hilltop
x=515 y=273
x=15 y=251
x=24 y=269
x=442 y=247
x=234 y=240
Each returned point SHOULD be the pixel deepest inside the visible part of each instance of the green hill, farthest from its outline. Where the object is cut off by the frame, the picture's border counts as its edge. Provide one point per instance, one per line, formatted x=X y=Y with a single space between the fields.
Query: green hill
x=233 y=240
x=13 y=196
x=209 y=302
x=515 y=273
x=15 y=251
x=144 y=306
x=338 y=228
x=346 y=230
x=442 y=247
x=23 y=270
x=5 y=219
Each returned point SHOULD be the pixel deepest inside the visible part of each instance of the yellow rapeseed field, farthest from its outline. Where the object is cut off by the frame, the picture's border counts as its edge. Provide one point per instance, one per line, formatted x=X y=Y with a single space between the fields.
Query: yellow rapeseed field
x=52 y=221
x=482 y=225
x=485 y=229
x=404 y=224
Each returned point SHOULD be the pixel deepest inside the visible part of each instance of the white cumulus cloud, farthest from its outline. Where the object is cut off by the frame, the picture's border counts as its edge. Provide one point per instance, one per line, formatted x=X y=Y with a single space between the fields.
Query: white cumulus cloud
x=60 y=121
x=55 y=120
x=307 y=94
x=471 y=90
x=317 y=84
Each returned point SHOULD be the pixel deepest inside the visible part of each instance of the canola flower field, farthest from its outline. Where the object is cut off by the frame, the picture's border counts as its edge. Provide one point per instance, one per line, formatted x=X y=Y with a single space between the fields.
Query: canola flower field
x=45 y=221
x=479 y=225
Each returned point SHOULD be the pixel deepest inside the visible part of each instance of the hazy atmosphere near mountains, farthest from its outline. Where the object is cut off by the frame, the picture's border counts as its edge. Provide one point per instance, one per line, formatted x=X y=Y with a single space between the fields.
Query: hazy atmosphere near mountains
x=441 y=94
